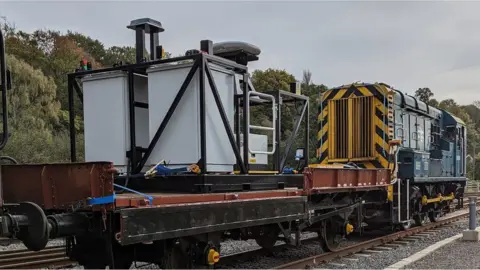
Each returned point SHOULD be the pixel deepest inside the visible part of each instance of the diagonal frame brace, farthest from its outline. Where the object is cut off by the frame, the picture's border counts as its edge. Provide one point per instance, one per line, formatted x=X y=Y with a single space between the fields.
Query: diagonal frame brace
x=291 y=139
x=228 y=129
x=168 y=115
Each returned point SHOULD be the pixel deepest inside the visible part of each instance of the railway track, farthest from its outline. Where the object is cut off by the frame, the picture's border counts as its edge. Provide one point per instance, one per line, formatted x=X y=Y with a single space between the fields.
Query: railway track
x=372 y=246
x=231 y=259
x=51 y=257
x=55 y=257
x=471 y=194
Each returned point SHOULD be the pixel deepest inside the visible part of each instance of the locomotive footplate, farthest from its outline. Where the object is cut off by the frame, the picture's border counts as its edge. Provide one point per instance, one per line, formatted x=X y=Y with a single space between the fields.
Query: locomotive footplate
x=156 y=223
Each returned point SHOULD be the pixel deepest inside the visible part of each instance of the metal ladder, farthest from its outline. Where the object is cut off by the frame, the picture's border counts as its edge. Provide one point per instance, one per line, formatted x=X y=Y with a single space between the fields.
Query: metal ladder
x=257 y=97
x=401 y=201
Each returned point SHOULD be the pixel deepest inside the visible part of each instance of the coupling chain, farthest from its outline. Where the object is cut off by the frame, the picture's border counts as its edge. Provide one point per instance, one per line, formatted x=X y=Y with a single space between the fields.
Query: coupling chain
x=102 y=187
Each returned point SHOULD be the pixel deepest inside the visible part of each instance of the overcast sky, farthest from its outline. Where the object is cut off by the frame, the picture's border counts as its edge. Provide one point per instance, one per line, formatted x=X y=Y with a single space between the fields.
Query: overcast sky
x=405 y=44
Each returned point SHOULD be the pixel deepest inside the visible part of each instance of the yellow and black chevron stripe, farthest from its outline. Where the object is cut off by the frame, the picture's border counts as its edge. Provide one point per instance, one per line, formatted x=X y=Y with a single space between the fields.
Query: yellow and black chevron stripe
x=355 y=123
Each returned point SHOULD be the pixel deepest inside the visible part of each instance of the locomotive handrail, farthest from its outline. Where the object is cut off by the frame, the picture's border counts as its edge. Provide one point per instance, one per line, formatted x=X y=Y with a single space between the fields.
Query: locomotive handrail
x=3 y=89
x=272 y=128
x=403 y=133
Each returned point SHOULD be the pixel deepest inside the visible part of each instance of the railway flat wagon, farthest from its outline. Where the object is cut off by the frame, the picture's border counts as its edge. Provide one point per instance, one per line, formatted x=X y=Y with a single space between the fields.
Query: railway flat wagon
x=175 y=164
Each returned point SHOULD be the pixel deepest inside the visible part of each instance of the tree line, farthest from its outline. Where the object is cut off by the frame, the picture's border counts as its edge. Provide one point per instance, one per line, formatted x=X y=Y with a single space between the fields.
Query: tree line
x=38 y=102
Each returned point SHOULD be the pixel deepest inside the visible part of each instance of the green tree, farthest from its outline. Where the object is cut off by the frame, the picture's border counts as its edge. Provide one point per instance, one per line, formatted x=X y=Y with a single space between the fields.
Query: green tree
x=307 y=77
x=452 y=107
x=474 y=112
x=433 y=102
x=269 y=80
x=116 y=54
x=94 y=48
x=313 y=91
x=32 y=101
x=424 y=94
x=274 y=79
x=54 y=54
x=33 y=111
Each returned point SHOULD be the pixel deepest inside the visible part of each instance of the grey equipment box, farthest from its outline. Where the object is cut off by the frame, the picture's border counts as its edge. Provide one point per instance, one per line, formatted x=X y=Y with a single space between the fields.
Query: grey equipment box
x=179 y=145
x=106 y=117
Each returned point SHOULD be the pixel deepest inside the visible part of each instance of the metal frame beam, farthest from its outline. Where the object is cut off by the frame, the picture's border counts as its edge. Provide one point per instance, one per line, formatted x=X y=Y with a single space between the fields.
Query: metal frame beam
x=201 y=61
x=139 y=156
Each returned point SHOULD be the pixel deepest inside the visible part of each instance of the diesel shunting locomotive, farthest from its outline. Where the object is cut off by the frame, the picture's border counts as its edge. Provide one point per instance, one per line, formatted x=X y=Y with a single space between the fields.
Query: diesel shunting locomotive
x=375 y=126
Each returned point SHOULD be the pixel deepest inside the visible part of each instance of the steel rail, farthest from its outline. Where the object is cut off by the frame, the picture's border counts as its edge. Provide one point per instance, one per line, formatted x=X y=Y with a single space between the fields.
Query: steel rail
x=349 y=250
x=51 y=256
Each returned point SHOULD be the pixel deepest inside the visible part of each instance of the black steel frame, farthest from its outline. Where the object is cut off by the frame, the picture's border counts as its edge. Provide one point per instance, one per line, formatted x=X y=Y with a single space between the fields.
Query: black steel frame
x=200 y=63
x=282 y=98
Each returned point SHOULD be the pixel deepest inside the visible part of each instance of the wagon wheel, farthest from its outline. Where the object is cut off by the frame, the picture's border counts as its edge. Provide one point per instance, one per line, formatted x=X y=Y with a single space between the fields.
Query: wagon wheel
x=267 y=239
x=420 y=219
x=434 y=215
x=174 y=258
x=406 y=225
x=329 y=237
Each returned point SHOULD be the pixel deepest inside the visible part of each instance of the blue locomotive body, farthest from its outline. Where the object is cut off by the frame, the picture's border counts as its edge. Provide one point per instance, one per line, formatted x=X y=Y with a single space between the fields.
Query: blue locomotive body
x=433 y=147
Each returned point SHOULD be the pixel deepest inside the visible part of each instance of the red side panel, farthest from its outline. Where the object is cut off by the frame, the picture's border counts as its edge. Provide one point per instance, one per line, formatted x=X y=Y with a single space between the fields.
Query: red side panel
x=323 y=180
x=56 y=186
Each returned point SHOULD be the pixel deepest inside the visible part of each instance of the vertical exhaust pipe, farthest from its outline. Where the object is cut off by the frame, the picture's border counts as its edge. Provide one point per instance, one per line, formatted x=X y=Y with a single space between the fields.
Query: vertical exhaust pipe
x=142 y=27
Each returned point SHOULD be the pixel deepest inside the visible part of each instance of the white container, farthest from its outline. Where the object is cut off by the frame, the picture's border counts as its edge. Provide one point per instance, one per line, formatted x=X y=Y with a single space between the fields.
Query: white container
x=257 y=142
x=179 y=145
x=106 y=116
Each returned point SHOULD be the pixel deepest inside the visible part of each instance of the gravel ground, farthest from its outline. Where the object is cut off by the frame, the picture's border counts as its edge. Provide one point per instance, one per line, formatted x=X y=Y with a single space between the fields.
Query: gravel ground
x=286 y=255
x=375 y=261
x=233 y=246
x=387 y=258
x=456 y=255
x=228 y=247
x=18 y=245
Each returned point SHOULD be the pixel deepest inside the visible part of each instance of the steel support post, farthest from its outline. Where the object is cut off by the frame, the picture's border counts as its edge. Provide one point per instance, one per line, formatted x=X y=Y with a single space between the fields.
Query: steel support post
x=472 y=205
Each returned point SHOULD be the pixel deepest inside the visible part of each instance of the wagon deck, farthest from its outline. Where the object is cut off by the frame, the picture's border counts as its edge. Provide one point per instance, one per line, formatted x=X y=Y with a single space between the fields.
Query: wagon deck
x=131 y=199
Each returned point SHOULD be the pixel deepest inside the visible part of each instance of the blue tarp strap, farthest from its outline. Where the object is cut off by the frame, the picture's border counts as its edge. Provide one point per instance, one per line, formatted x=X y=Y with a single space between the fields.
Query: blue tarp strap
x=102 y=200
x=150 y=198
x=111 y=198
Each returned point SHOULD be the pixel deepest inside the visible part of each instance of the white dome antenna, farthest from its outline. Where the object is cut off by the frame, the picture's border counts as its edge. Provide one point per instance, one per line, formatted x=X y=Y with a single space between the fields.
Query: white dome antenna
x=237 y=51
